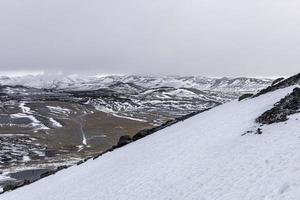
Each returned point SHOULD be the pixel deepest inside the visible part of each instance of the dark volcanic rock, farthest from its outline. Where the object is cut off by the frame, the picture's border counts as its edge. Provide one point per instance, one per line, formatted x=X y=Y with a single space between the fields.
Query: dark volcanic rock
x=277 y=81
x=293 y=80
x=47 y=173
x=258 y=131
x=28 y=175
x=80 y=162
x=289 y=105
x=146 y=132
x=21 y=178
x=62 y=167
x=245 y=96
x=11 y=185
x=124 y=139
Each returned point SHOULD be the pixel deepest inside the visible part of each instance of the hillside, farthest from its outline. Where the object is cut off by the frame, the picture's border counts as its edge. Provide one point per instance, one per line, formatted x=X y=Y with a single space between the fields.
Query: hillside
x=214 y=155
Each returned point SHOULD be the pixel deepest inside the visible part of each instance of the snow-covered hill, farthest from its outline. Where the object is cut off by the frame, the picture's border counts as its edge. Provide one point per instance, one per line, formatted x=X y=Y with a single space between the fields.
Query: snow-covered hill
x=134 y=96
x=207 y=157
x=76 y=82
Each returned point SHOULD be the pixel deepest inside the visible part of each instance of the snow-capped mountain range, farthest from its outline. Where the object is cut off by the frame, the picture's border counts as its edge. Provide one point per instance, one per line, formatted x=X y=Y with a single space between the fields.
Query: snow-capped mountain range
x=76 y=82
x=134 y=95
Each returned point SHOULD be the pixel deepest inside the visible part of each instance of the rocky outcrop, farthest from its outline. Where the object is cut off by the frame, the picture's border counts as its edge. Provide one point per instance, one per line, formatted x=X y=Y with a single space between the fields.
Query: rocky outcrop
x=289 y=105
x=245 y=96
x=124 y=139
x=293 y=80
x=277 y=81
x=21 y=178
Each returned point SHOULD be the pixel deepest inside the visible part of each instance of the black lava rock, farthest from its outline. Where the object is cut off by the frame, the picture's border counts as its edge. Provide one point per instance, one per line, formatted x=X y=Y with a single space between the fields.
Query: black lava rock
x=258 y=131
x=277 y=81
x=289 y=105
x=245 y=96
x=293 y=80
x=124 y=139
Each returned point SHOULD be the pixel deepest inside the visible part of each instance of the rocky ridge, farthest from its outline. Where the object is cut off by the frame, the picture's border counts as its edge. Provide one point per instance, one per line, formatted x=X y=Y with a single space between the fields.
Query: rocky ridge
x=289 y=105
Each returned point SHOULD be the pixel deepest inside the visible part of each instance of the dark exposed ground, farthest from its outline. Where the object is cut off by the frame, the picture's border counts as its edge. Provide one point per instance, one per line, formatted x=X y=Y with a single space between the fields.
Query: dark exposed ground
x=289 y=105
x=100 y=130
x=280 y=83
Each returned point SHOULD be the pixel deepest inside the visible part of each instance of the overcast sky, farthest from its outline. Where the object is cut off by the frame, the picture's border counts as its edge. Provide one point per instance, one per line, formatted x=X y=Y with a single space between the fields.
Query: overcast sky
x=185 y=37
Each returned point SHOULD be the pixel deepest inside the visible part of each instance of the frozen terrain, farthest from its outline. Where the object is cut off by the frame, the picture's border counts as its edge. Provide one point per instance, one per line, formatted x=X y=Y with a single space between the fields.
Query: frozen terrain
x=203 y=158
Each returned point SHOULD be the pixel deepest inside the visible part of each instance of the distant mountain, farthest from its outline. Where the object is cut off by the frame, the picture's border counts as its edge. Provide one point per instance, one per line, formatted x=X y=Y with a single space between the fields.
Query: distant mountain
x=136 y=95
x=132 y=81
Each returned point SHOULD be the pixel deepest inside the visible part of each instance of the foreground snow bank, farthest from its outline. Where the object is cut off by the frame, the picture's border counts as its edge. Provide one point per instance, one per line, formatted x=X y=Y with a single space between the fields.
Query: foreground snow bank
x=203 y=158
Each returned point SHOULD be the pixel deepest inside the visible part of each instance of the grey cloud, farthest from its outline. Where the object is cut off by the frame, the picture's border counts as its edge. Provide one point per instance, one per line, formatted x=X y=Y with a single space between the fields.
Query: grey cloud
x=200 y=37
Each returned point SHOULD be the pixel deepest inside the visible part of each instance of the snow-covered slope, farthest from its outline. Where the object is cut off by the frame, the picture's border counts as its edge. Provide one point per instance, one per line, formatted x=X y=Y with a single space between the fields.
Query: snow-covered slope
x=202 y=158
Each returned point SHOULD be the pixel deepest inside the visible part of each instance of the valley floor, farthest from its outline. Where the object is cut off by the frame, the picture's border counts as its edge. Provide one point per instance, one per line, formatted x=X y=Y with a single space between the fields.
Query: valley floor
x=202 y=158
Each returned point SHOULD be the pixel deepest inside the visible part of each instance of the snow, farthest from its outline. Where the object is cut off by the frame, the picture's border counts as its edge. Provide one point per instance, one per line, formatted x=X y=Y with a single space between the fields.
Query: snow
x=24 y=108
x=202 y=158
x=55 y=123
x=84 y=142
x=35 y=123
x=27 y=113
x=131 y=118
x=181 y=93
x=59 y=110
x=26 y=158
